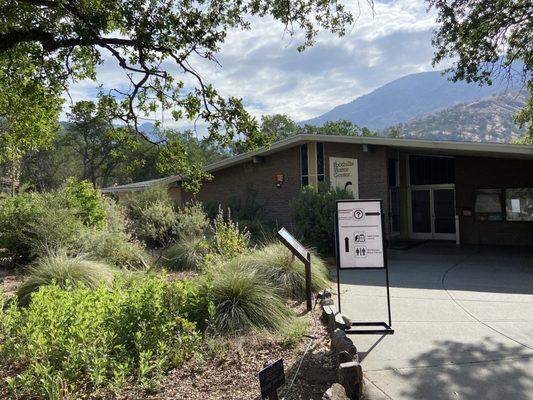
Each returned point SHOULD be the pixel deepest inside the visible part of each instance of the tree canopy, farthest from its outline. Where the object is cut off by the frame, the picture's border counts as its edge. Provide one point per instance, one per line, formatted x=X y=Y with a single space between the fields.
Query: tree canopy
x=486 y=38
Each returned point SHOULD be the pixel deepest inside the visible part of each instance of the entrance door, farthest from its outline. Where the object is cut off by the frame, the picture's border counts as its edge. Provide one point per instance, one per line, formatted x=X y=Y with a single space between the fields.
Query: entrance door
x=433 y=213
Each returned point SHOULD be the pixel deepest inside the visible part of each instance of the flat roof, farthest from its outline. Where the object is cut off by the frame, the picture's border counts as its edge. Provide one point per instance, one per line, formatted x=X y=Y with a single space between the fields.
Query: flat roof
x=136 y=186
x=435 y=147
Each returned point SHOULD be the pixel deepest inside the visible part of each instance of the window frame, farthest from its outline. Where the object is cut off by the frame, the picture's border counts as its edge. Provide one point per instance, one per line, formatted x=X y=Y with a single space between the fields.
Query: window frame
x=505 y=198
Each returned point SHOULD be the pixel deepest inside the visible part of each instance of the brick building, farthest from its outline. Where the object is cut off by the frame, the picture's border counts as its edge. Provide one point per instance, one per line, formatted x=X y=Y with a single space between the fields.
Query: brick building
x=476 y=193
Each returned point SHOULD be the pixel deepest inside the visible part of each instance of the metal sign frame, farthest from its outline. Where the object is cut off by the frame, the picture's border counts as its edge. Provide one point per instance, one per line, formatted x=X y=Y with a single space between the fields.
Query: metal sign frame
x=385 y=328
x=305 y=258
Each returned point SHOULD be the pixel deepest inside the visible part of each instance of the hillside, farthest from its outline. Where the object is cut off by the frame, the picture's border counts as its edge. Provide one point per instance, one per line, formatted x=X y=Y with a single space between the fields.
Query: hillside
x=489 y=120
x=405 y=99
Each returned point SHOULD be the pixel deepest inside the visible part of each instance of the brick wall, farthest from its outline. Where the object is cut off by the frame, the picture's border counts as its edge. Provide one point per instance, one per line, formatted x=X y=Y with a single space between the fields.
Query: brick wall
x=473 y=173
x=240 y=180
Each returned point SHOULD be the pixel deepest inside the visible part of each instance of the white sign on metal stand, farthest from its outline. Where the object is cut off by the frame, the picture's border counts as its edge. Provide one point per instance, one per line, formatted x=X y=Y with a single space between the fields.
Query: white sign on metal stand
x=360 y=234
x=361 y=245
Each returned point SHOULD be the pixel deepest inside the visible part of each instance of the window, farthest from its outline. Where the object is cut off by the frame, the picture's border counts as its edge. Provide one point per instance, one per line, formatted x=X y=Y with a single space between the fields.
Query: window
x=519 y=204
x=488 y=206
x=431 y=170
x=393 y=170
x=320 y=170
x=309 y=160
x=304 y=165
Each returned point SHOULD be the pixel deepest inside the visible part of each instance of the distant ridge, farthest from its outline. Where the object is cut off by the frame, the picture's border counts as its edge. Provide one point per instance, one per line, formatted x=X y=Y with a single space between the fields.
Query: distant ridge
x=407 y=98
x=486 y=120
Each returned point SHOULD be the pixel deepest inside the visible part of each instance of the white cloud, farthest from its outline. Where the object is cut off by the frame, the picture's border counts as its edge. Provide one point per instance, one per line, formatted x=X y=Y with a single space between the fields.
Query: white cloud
x=263 y=67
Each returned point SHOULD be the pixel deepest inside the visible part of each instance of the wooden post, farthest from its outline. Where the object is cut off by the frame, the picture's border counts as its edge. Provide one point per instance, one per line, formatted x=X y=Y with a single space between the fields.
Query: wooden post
x=274 y=396
x=308 y=283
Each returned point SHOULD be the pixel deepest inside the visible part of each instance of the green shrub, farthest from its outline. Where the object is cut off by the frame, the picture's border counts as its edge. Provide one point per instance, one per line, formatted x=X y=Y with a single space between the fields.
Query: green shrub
x=192 y=221
x=115 y=248
x=228 y=239
x=81 y=340
x=32 y=224
x=64 y=271
x=314 y=215
x=153 y=215
x=244 y=302
x=186 y=254
x=285 y=272
x=87 y=201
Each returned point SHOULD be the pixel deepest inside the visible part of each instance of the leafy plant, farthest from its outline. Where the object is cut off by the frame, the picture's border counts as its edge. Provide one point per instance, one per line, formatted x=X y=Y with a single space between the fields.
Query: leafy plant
x=228 y=239
x=78 y=339
x=285 y=272
x=314 y=214
x=192 y=221
x=243 y=301
x=87 y=201
x=64 y=271
x=153 y=215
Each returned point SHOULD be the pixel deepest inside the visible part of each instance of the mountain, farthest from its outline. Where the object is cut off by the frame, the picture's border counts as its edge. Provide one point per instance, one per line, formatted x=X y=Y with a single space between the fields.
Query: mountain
x=407 y=98
x=486 y=120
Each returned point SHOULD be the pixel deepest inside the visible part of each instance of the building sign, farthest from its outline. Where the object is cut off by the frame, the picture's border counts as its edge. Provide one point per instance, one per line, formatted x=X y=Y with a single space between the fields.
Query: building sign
x=343 y=174
x=271 y=378
x=360 y=234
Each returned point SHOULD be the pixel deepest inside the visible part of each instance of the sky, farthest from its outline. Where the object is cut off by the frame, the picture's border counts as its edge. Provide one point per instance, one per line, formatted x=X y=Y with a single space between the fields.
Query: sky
x=262 y=65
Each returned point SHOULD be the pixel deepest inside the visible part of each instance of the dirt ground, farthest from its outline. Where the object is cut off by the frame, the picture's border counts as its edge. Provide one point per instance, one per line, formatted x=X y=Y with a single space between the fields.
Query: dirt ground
x=10 y=280
x=233 y=375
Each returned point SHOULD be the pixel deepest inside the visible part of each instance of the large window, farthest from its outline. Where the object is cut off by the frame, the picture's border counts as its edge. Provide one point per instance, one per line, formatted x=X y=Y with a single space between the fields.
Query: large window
x=488 y=205
x=431 y=170
x=320 y=169
x=312 y=164
x=519 y=204
x=304 y=165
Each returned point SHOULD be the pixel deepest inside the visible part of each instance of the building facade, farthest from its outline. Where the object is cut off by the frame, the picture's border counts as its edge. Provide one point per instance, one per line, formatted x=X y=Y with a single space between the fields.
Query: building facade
x=472 y=193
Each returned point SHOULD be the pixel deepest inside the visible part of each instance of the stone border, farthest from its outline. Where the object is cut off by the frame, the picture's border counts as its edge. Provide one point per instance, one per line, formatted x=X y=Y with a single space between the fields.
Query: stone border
x=349 y=372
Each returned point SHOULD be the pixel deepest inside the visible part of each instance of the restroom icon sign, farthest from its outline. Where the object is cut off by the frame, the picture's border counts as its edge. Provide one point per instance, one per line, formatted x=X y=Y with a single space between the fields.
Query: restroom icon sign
x=360 y=252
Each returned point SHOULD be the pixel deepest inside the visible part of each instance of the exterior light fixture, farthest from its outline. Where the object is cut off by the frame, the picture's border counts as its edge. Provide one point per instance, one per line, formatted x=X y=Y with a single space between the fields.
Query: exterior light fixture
x=279 y=178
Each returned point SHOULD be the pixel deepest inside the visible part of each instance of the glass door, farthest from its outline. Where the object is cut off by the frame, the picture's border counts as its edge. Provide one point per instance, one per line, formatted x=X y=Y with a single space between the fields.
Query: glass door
x=421 y=214
x=444 y=214
x=433 y=213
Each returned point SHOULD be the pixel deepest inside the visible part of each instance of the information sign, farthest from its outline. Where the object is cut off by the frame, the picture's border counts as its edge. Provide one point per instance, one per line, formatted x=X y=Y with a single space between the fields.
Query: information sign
x=360 y=234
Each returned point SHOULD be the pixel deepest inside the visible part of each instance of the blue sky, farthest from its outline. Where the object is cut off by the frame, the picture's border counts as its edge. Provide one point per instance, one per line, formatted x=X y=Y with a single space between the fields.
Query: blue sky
x=263 y=66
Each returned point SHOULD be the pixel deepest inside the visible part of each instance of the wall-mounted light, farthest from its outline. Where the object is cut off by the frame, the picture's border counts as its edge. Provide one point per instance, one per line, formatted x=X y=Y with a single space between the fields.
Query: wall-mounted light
x=279 y=178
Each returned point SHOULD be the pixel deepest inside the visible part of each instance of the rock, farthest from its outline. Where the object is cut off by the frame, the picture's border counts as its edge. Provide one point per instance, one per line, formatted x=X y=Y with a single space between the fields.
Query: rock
x=328 y=301
x=350 y=376
x=344 y=357
x=335 y=392
x=329 y=315
x=342 y=321
x=340 y=342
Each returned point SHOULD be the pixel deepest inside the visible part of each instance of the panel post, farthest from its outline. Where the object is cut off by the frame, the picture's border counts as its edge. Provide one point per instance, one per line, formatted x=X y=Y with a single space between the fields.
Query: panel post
x=308 y=293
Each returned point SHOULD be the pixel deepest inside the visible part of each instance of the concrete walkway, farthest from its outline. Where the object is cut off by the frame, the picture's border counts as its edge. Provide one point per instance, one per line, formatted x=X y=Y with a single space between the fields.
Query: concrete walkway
x=463 y=319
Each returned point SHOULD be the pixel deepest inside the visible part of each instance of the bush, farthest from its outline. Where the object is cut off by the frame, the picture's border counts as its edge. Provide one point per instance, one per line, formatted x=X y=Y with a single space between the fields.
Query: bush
x=87 y=201
x=153 y=215
x=229 y=240
x=192 y=221
x=244 y=302
x=32 y=224
x=64 y=271
x=314 y=215
x=285 y=272
x=186 y=254
x=83 y=340
x=115 y=248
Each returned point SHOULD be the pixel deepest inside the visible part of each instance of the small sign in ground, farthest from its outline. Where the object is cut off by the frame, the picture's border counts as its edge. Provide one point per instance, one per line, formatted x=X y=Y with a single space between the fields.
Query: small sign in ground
x=271 y=378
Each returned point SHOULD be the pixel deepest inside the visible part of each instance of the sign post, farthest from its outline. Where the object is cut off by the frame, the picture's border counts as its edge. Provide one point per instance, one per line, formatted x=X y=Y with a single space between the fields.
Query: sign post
x=304 y=256
x=360 y=244
x=271 y=378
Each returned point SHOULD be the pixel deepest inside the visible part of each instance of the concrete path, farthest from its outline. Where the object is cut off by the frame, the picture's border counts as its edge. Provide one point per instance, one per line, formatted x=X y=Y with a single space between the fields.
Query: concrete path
x=463 y=319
